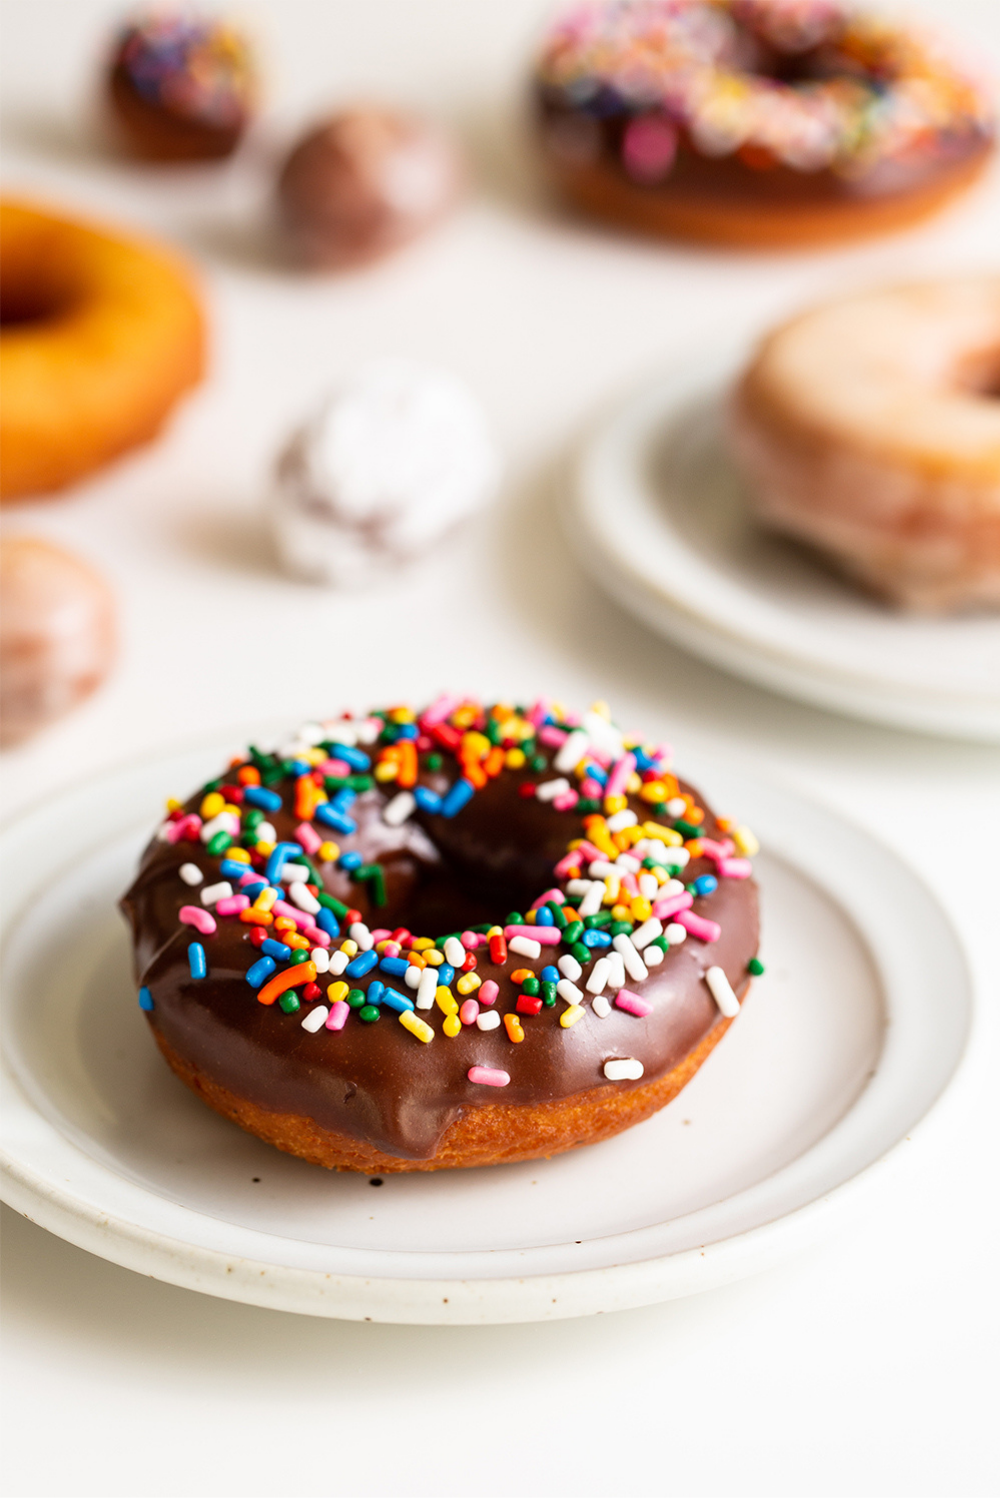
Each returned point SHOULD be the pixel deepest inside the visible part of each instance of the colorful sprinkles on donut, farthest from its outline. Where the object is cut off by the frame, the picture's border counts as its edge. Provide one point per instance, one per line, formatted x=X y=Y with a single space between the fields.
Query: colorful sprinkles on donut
x=264 y=874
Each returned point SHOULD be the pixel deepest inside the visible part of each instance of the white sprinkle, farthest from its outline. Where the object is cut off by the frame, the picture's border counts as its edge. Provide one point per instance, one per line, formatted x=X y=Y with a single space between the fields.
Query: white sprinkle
x=266 y=833
x=527 y=947
x=616 y=977
x=488 y=1020
x=671 y=888
x=675 y=933
x=676 y=807
x=647 y=932
x=321 y=959
x=653 y=957
x=677 y=858
x=190 y=874
x=399 y=809
x=303 y=898
x=567 y=990
x=654 y=849
x=594 y=899
x=291 y=872
x=620 y=820
x=648 y=885
x=427 y=988
x=164 y=831
x=546 y=790
x=454 y=952
x=600 y=1006
x=314 y=1020
x=578 y=887
x=223 y=822
x=623 y=1067
x=628 y=862
x=599 y=976
x=630 y=958
x=569 y=966
x=359 y=932
x=338 y=962
x=368 y=731
x=572 y=750
x=602 y=867
x=212 y=893
x=722 y=991
x=412 y=977
x=603 y=736
x=311 y=734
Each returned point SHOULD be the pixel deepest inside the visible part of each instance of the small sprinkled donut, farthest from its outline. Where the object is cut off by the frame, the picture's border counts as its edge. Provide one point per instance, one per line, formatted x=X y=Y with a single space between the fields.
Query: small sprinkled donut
x=870 y=428
x=465 y=936
x=101 y=335
x=753 y=122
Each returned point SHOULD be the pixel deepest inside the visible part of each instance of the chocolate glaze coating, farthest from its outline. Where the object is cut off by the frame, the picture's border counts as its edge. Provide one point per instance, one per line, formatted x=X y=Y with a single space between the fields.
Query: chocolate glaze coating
x=375 y=1082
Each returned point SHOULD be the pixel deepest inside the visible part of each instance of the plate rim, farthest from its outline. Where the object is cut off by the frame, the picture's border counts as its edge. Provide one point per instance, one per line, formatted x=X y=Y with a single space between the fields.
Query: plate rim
x=627 y=424
x=458 y=1300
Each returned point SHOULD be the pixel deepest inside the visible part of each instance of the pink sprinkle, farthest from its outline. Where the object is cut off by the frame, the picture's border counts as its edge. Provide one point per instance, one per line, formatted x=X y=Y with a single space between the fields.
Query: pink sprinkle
x=620 y=774
x=589 y=851
x=197 y=916
x=538 y=711
x=230 y=905
x=662 y=753
x=336 y=767
x=736 y=869
x=553 y=895
x=591 y=788
x=550 y=735
x=716 y=850
x=495 y=1077
x=339 y=1012
x=471 y=940
x=634 y=1004
x=537 y=934
x=185 y=828
x=700 y=927
x=565 y=800
x=468 y=1011
x=282 y=909
x=308 y=837
x=251 y=877
x=439 y=710
x=629 y=883
x=668 y=905
x=316 y=935
x=649 y=146
x=379 y=935
x=570 y=861
x=488 y=992
x=391 y=950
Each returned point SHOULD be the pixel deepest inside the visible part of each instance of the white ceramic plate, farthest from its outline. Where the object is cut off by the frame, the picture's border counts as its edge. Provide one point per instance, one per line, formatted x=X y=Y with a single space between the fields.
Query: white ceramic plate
x=859 y=1025
x=658 y=516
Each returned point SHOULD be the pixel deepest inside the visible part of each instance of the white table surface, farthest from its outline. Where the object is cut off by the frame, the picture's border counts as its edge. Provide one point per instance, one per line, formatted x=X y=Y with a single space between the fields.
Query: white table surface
x=863 y=1367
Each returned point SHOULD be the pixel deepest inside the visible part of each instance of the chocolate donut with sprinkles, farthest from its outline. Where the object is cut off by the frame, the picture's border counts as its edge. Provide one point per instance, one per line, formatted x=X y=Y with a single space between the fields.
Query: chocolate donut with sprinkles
x=450 y=938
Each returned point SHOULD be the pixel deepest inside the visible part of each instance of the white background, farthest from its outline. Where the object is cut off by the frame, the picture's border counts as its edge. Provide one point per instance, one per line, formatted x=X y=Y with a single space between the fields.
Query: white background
x=860 y=1368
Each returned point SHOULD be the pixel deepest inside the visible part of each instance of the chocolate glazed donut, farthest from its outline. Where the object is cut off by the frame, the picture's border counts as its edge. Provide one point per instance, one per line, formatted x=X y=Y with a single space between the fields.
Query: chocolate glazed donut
x=441 y=830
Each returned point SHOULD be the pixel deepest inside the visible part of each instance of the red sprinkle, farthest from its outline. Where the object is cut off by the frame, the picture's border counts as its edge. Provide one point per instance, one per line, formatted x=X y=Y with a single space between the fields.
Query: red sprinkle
x=527 y=789
x=258 y=935
x=528 y=1005
x=311 y=992
x=498 y=949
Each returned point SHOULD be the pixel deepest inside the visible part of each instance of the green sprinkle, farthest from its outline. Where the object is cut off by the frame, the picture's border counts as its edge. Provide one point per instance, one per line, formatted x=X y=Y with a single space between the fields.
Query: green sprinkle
x=588 y=805
x=513 y=919
x=253 y=818
x=755 y=966
x=361 y=782
x=335 y=783
x=548 y=992
x=660 y=942
x=434 y=761
x=440 y=941
x=558 y=915
x=689 y=830
x=530 y=986
x=538 y=763
x=332 y=904
x=271 y=775
x=356 y=998
x=369 y=1013
x=212 y=786
x=581 y=953
x=599 y=919
x=300 y=956
x=219 y=842
x=573 y=931
x=482 y=927
x=289 y=1002
x=618 y=928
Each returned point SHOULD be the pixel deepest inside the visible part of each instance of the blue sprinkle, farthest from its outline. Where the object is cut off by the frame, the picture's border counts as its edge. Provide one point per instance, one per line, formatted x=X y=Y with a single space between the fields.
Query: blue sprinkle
x=551 y=974
x=197 y=961
x=356 y=759
x=327 y=814
x=258 y=972
x=300 y=767
x=327 y=922
x=350 y=861
x=445 y=974
x=395 y=1000
x=595 y=938
x=233 y=869
x=456 y=797
x=280 y=856
x=407 y=732
x=705 y=885
x=253 y=888
x=363 y=964
x=145 y=999
x=375 y=993
x=392 y=965
x=597 y=773
x=644 y=762
x=426 y=800
x=343 y=799
x=275 y=949
x=544 y=918
x=260 y=796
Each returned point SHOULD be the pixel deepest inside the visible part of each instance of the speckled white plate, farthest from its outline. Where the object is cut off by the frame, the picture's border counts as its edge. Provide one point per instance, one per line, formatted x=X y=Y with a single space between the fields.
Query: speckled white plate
x=659 y=517
x=860 y=1024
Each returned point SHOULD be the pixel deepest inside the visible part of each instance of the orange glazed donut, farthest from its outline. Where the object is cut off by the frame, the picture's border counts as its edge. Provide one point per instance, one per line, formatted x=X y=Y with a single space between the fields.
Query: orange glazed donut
x=753 y=122
x=870 y=428
x=100 y=337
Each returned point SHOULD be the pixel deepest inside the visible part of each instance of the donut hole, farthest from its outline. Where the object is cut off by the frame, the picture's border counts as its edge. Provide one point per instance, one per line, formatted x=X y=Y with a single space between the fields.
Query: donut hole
x=978 y=373
x=32 y=295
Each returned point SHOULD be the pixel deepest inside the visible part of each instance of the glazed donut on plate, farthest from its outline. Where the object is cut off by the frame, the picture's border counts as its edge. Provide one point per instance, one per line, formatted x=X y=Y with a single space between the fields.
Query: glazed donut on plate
x=324 y=950
x=101 y=336
x=870 y=428
x=753 y=122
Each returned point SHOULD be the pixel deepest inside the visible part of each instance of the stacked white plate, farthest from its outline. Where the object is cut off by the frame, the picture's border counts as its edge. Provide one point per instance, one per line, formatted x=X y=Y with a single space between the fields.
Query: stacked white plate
x=660 y=518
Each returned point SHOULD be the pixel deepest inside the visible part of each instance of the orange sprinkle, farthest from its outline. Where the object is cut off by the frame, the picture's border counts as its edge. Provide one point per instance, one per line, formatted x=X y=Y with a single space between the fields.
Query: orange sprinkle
x=256 y=917
x=248 y=776
x=279 y=983
x=407 y=763
x=520 y=975
x=514 y=1028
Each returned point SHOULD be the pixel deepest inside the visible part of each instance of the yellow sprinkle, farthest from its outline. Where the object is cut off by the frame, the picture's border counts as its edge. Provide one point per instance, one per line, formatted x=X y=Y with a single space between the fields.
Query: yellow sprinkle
x=571 y=1015
x=653 y=791
x=328 y=851
x=745 y=842
x=173 y=804
x=661 y=874
x=349 y=946
x=468 y=983
x=416 y=1026
x=514 y=759
x=600 y=707
x=463 y=717
x=339 y=990
x=615 y=804
x=620 y=912
x=433 y=957
x=267 y=898
x=530 y=916
x=446 y=1000
x=634 y=782
x=641 y=909
x=386 y=770
x=665 y=835
x=475 y=743
x=612 y=885
x=314 y=757
x=211 y=805
x=265 y=847
x=402 y=716
x=424 y=946
x=230 y=807
x=242 y=856
x=494 y=932
x=451 y=1025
